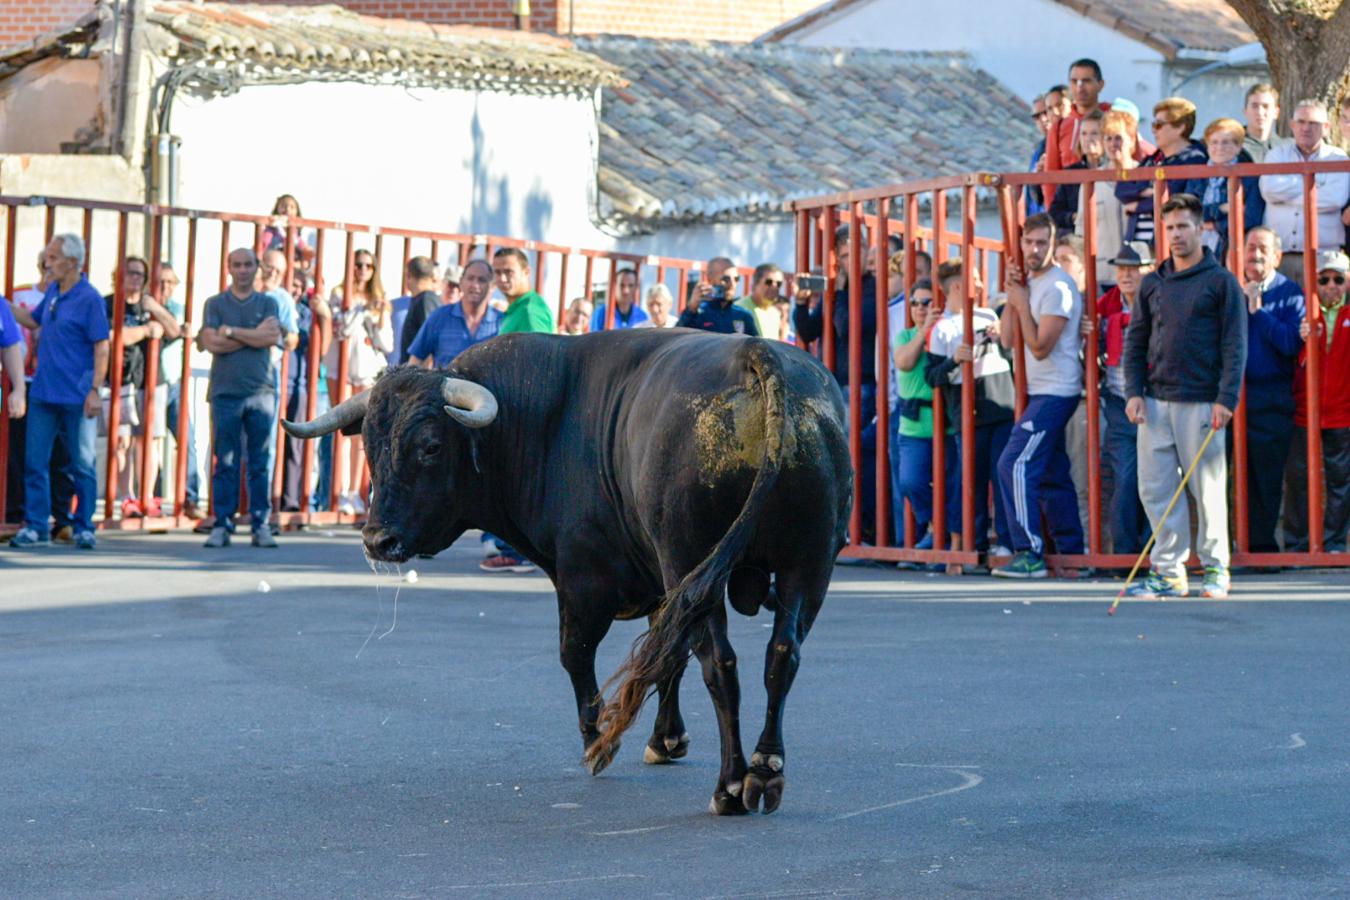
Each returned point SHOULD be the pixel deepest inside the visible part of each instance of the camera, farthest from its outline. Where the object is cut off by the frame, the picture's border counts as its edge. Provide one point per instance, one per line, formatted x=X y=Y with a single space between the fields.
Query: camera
x=719 y=292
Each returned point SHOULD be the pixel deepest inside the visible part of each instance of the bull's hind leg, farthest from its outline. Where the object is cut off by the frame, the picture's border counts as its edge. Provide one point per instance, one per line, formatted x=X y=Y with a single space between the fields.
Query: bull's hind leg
x=799 y=599
x=715 y=652
x=578 y=639
x=669 y=740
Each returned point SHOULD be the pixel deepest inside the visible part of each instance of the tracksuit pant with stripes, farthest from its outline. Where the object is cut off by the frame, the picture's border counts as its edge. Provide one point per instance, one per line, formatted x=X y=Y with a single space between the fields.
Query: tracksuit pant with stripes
x=1034 y=477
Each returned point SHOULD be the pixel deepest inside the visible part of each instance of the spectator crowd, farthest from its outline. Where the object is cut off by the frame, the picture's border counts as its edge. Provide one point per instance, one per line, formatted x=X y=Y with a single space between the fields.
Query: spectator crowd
x=1176 y=339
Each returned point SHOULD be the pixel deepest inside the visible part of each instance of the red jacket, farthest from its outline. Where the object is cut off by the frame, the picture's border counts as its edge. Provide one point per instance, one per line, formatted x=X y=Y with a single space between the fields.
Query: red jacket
x=1335 y=377
x=1114 y=320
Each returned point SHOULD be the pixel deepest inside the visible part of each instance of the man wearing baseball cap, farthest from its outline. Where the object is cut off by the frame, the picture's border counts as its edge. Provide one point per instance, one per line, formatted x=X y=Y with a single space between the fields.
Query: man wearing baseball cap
x=1125 y=514
x=1333 y=274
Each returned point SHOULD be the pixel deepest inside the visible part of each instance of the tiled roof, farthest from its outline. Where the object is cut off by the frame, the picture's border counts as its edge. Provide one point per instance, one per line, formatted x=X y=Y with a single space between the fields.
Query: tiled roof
x=1170 y=25
x=330 y=39
x=1165 y=25
x=708 y=131
x=326 y=42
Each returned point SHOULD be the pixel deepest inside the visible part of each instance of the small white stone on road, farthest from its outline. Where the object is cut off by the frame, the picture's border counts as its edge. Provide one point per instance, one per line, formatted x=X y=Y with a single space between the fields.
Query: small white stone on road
x=264 y=587
x=411 y=576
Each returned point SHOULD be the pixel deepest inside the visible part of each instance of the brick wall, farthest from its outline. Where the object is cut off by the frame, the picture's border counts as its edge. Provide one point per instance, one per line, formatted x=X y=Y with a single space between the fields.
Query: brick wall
x=23 y=20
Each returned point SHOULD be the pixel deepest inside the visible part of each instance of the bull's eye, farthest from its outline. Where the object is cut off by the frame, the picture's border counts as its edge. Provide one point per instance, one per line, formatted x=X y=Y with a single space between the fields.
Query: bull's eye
x=431 y=449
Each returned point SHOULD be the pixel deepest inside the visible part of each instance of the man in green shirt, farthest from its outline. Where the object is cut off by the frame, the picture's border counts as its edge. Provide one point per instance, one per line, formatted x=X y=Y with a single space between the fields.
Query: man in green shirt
x=527 y=310
x=763 y=300
x=916 y=418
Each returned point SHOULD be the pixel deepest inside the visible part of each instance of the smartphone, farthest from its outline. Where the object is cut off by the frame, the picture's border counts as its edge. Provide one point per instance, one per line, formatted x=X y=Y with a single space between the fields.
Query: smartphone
x=719 y=292
x=813 y=283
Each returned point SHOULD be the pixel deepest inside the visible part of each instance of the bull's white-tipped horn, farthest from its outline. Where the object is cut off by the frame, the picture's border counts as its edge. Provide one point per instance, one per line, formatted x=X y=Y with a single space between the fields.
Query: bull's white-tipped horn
x=340 y=416
x=472 y=405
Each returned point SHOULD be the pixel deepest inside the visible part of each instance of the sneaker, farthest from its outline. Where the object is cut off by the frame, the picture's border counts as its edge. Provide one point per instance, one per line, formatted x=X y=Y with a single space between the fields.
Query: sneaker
x=358 y=505
x=1024 y=565
x=1216 y=584
x=1159 y=587
x=262 y=537
x=1000 y=550
x=191 y=510
x=85 y=540
x=63 y=535
x=345 y=505
x=503 y=563
x=220 y=537
x=131 y=508
x=27 y=537
x=154 y=509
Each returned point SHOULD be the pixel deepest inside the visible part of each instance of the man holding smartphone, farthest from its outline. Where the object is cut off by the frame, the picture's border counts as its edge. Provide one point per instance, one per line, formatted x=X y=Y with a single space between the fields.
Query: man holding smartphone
x=714 y=306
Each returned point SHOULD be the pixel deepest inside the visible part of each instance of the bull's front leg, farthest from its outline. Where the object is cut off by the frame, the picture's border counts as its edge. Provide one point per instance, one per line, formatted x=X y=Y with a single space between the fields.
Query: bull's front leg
x=669 y=740
x=579 y=636
x=715 y=652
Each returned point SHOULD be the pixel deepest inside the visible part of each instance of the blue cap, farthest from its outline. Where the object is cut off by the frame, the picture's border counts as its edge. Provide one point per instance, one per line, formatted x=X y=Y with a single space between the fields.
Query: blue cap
x=1120 y=104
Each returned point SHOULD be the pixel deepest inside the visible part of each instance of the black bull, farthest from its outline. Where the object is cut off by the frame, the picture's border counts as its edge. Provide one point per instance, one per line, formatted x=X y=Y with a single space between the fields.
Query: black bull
x=648 y=473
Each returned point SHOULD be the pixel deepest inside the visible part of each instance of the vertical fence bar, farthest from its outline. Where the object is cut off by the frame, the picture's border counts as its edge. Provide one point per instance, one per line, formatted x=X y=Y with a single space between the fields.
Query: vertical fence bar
x=312 y=376
x=183 y=427
x=115 y=372
x=1160 y=194
x=1314 y=348
x=1012 y=251
x=969 y=539
x=152 y=346
x=911 y=226
x=830 y=262
x=1241 y=500
x=590 y=275
x=348 y=281
x=856 y=251
x=609 y=293
x=938 y=212
x=882 y=351
x=403 y=272
x=1092 y=372
x=562 y=289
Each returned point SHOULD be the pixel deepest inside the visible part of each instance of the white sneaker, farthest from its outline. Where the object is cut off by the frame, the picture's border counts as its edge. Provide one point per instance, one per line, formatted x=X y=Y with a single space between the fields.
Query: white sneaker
x=345 y=505
x=358 y=505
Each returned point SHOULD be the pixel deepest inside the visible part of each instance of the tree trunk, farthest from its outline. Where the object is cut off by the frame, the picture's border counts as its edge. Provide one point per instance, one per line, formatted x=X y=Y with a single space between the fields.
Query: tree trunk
x=1307 y=47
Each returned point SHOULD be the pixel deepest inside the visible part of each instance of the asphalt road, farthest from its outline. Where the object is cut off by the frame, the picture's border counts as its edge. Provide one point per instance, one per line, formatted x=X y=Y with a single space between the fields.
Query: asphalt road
x=167 y=729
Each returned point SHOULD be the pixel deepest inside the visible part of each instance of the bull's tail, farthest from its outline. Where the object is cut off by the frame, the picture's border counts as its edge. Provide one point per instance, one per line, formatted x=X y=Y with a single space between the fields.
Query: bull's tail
x=662 y=650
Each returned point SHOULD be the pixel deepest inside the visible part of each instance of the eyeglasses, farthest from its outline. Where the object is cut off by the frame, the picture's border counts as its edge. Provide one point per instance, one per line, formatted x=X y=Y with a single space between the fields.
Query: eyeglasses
x=1331 y=279
x=135 y=273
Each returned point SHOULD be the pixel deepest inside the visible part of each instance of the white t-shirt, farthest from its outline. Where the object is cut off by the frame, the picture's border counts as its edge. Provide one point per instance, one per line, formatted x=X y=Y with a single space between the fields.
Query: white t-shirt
x=949 y=332
x=1060 y=374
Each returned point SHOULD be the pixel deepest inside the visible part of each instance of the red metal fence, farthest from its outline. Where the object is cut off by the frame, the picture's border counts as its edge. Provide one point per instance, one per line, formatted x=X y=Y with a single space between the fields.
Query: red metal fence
x=894 y=209
x=198 y=242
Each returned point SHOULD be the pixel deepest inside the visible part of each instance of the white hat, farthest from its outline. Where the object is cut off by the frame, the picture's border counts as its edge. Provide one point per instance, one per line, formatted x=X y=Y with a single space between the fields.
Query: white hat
x=1334 y=261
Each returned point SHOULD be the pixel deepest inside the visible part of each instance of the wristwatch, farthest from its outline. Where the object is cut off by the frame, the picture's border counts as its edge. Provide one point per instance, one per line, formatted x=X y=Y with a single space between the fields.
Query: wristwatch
x=229 y=332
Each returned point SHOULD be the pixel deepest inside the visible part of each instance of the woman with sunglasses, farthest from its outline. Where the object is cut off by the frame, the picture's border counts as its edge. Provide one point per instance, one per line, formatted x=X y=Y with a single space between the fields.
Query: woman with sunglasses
x=364 y=330
x=1173 y=122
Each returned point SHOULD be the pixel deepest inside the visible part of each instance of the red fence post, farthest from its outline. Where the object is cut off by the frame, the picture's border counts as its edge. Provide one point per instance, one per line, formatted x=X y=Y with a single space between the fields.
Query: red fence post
x=183 y=427
x=115 y=373
x=969 y=539
x=883 y=370
x=830 y=263
x=1092 y=372
x=856 y=251
x=1313 y=311
x=1240 y=461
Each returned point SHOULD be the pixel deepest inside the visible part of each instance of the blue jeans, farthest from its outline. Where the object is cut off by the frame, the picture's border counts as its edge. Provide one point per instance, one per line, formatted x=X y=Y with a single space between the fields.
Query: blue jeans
x=45 y=422
x=989 y=443
x=1125 y=513
x=175 y=393
x=914 y=482
x=239 y=425
x=1033 y=476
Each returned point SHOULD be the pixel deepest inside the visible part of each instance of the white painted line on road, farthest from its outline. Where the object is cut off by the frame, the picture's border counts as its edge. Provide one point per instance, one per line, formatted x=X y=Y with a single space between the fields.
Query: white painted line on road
x=629 y=831
x=1295 y=742
x=511 y=884
x=968 y=780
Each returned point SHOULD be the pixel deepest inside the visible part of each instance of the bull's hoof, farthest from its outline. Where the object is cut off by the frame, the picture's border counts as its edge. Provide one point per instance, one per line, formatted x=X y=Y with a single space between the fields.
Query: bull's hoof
x=661 y=750
x=595 y=763
x=726 y=800
x=764 y=783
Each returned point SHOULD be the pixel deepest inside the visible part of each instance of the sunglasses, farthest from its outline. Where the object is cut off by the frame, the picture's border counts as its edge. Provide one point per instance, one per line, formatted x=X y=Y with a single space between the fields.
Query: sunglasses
x=771 y=282
x=1039 y=115
x=921 y=302
x=1160 y=123
x=1331 y=279
x=364 y=265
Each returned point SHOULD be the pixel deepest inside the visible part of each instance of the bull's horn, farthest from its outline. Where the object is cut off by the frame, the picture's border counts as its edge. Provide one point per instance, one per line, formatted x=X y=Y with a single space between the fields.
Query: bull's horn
x=472 y=405
x=344 y=414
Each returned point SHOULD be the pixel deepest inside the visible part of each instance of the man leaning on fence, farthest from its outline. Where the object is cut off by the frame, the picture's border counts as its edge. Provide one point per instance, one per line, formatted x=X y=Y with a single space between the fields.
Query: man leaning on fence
x=64 y=399
x=240 y=328
x=1185 y=352
x=1033 y=469
x=1333 y=273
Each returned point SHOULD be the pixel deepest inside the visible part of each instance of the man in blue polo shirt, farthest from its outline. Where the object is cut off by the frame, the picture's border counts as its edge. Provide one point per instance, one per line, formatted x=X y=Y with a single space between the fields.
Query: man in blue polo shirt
x=11 y=362
x=72 y=365
x=456 y=327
